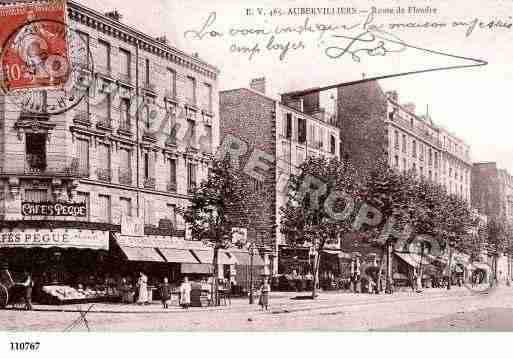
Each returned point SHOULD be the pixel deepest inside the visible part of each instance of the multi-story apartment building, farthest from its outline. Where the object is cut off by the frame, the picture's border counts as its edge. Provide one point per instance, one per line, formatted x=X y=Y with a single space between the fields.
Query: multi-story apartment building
x=288 y=135
x=124 y=164
x=492 y=191
x=107 y=158
x=374 y=125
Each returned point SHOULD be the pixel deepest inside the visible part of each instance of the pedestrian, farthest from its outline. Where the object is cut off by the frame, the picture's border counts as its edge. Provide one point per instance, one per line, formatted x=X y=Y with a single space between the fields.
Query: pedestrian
x=142 y=284
x=27 y=292
x=413 y=280
x=265 y=290
x=185 y=293
x=165 y=293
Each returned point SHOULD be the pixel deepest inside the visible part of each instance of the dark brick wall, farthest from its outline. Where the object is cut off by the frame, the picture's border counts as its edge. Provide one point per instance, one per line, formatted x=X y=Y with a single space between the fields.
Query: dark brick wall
x=485 y=189
x=362 y=109
x=251 y=117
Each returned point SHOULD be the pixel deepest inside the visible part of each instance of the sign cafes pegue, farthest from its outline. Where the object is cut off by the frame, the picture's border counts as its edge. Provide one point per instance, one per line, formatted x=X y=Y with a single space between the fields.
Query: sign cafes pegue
x=56 y=209
x=62 y=238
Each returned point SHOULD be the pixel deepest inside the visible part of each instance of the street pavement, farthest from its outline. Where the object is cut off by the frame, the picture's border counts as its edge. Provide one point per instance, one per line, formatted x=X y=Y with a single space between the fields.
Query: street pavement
x=433 y=309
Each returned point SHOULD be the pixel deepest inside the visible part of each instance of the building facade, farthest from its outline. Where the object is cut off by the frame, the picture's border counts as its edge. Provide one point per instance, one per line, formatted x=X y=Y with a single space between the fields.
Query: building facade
x=108 y=151
x=374 y=125
x=288 y=135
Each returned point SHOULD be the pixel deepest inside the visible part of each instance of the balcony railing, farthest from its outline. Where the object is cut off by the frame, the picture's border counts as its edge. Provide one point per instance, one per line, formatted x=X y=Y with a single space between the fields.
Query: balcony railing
x=191 y=188
x=149 y=183
x=126 y=78
x=70 y=169
x=149 y=87
x=125 y=127
x=170 y=96
x=171 y=187
x=82 y=118
x=104 y=174
x=104 y=123
x=125 y=176
x=149 y=135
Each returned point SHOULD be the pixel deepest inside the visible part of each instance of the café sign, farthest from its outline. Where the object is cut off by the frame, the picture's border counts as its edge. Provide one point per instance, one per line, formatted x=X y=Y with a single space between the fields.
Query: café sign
x=54 y=209
x=61 y=238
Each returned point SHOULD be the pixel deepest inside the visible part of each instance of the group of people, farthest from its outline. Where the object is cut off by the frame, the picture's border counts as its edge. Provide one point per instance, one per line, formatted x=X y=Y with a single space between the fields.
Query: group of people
x=165 y=290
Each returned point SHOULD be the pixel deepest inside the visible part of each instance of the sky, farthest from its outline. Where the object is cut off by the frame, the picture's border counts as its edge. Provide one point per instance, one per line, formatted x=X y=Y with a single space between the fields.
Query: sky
x=474 y=103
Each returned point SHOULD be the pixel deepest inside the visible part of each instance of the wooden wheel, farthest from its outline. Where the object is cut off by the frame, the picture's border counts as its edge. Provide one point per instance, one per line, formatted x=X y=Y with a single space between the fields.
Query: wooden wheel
x=4 y=296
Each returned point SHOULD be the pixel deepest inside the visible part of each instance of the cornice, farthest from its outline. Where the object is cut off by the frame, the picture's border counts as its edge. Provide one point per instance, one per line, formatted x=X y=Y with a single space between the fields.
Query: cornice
x=129 y=35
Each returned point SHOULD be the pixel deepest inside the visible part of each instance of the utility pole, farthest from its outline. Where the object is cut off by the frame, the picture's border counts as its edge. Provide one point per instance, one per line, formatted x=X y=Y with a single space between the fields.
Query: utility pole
x=251 y=254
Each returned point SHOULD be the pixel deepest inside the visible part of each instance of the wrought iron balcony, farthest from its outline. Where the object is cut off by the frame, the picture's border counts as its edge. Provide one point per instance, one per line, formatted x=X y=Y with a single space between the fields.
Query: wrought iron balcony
x=191 y=188
x=104 y=174
x=125 y=127
x=171 y=187
x=82 y=118
x=170 y=96
x=104 y=71
x=149 y=135
x=125 y=176
x=126 y=78
x=149 y=183
x=149 y=87
x=104 y=123
x=40 y=169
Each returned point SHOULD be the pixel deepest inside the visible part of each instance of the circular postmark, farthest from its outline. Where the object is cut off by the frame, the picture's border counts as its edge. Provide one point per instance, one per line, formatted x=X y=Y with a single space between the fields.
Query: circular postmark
x=46 y=67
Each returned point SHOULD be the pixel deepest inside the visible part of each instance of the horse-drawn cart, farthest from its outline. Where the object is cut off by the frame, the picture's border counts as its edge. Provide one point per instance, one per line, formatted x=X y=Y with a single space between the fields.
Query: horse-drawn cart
x=10 y=292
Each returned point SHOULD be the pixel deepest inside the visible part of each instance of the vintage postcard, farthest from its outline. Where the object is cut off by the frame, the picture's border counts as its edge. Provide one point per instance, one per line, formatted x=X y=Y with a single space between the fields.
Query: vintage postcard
x=255 y=166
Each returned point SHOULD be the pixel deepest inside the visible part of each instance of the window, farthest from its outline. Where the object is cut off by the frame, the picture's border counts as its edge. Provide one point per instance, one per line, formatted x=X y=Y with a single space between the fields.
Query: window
x=190 y=90
x=171 y=214
x=411 y=122
x=404 y=143
x=430 y=175
x=82 y=153
x=191 y=131
x=311 y=130
x=208 y=96
x=125 y=205
x=286 y=152
x=104 y=210
x=321 y=139
x=396 y=161
x=147 y=72
x=148 y=211
x=36 y=195
x=421 y=170
x=83 y=197
x=125 y=164
x=421 y=151
x=404 y=164
x=124 y=114
x=208 y=135
x=108 y=112
x=414 y=168
x=172 y=83
x=300 y=155
x=125 y=64
x=430 y=157
x=301 y=128
x=103 y=58
x=288 y=126
x=436 y=159
x=191 y=176
x=172 y=175
x=396 y=139
x=103 y=170
x=84 y=55
x=35 y=152
x=146 y=165
x=414 y=148
x=333 y=144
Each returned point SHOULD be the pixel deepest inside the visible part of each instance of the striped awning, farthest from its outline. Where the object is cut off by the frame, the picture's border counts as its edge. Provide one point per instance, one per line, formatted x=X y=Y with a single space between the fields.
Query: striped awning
x=207 y=257
x=173 y=255
x=196 y=268
x=142 y=254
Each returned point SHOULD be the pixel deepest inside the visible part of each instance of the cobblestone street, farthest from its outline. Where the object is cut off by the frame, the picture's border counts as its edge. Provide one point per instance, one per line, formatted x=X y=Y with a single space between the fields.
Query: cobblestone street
x=457 y=309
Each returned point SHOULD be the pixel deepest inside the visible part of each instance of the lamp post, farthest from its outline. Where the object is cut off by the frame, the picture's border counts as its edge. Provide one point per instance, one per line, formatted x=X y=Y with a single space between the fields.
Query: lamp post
x=251 y=254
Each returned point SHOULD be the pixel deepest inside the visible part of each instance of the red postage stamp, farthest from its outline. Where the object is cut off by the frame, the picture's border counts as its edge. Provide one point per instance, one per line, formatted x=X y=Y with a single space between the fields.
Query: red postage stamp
x=34 y=44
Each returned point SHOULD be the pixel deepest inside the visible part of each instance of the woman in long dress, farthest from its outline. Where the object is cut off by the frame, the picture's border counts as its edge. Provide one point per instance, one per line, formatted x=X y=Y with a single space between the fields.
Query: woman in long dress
x=265 y=289
x=185 y=293
x=142 y=283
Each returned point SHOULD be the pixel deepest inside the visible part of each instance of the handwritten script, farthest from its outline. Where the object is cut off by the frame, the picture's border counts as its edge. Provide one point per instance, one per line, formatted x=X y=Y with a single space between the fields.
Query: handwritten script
x=359 y=37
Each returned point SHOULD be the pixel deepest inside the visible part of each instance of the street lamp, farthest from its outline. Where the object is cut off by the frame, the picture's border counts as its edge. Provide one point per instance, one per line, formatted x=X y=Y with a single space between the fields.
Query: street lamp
x=252 y=250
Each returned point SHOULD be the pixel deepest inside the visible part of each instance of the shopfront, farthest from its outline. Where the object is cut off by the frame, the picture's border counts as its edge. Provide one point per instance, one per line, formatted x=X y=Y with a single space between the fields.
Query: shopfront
x=67 y=264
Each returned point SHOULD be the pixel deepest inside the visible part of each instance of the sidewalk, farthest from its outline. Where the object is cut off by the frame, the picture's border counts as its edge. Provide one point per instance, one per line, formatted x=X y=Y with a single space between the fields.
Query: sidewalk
x=280 y=302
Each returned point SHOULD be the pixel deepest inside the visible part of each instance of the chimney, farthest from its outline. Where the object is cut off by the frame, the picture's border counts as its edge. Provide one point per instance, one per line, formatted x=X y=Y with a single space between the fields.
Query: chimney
x=393 y=95
x=115 y=15
x=258 y=85
x=410 y=107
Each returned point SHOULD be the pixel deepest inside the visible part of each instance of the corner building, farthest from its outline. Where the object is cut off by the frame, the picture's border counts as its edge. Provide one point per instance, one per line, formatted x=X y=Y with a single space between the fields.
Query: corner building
x=107 y=152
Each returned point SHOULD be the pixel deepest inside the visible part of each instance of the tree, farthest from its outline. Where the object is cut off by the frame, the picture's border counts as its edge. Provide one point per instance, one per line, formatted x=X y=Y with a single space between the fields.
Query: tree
x=497 y=242
x=317 y=195
x=211 y=212
x=393 y=194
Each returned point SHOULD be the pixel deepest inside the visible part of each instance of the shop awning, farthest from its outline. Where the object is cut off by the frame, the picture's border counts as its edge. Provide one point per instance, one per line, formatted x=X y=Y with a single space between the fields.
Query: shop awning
x=482 y=266
x=207 y=257
x=142 y=254
x=173 y=255
x=243 y=258
x=411 y=259
x=196 y=268
x=340 y=254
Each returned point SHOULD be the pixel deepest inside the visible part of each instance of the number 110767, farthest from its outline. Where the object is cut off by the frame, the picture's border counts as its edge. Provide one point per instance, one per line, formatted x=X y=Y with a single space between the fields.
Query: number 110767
x=24 y=346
